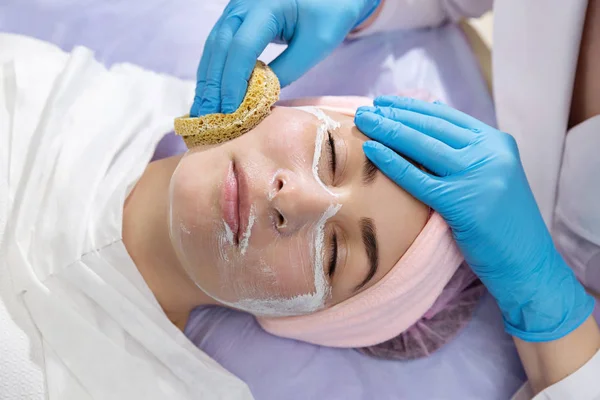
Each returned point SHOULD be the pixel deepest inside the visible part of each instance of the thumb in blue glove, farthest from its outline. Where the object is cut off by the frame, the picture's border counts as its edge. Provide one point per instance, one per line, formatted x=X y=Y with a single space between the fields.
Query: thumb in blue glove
x=477 y=183
x=311 y=28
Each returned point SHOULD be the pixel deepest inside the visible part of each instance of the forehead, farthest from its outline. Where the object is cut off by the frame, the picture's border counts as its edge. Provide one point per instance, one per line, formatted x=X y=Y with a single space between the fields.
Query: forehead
x=289 y=126
x=398 y=218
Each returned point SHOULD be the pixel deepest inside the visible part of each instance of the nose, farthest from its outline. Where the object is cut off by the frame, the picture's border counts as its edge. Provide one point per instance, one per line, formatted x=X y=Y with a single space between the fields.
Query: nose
x=298 y=201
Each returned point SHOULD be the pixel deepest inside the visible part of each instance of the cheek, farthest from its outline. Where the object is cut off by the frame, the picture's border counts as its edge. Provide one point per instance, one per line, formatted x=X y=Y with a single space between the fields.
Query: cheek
x=287 y=265
x=292 y=142
x=188 y=192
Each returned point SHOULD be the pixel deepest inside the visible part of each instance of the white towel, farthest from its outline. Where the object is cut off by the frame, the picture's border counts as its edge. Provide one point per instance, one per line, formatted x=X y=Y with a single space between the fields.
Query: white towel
x=75 y=138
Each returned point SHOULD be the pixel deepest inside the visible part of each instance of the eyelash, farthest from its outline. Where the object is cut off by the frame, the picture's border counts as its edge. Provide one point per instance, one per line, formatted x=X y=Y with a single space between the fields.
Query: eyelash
x=332 y=158
x=333 y=255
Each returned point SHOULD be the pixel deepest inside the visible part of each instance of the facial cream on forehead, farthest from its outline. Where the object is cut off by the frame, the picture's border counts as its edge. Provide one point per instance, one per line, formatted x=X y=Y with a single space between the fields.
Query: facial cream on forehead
x=317 y=112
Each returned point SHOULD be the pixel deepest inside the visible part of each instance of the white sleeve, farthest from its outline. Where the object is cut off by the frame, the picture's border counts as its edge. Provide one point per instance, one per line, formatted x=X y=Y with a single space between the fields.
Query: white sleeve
x=412 y=14
x=584 y=384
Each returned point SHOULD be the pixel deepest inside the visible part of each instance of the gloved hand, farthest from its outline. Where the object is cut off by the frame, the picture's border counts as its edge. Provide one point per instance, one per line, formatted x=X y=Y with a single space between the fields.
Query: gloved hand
x=311 y=28
x=477 y=183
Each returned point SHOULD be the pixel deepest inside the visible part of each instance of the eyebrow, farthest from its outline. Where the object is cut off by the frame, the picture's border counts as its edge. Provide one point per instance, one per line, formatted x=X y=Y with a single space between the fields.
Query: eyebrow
x=369 y=238
x=369 y=172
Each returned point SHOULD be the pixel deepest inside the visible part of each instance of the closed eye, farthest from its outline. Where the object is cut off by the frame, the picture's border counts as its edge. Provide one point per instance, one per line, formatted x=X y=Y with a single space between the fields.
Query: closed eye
x=333 y=255
x=332 y=158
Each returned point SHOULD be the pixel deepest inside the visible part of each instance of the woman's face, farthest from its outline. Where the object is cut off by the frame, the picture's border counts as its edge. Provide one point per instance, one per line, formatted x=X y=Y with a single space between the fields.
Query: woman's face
x=290 y=217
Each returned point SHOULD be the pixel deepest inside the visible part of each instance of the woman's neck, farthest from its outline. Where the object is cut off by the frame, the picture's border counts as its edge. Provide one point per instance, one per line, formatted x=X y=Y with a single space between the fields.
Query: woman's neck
x=146 y=237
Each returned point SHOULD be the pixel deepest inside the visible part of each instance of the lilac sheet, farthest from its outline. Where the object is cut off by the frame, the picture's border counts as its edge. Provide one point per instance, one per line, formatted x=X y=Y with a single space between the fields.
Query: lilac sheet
x=167 y=36
x=479 y=364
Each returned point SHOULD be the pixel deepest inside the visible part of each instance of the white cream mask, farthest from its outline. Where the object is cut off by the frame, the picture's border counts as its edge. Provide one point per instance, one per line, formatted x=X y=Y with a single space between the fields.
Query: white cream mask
x=326 y=123
x=247 y=278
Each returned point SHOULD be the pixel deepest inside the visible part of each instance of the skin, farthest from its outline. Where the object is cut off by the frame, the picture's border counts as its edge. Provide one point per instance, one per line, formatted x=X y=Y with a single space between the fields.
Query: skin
x=279 y=150
x=585 y=102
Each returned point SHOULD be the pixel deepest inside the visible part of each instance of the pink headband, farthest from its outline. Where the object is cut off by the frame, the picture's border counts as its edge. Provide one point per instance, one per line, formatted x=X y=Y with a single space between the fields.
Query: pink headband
x=393 y=304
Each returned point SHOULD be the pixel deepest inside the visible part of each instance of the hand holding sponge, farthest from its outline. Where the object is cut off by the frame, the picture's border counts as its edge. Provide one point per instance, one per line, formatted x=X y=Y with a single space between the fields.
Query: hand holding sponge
x=263 y=92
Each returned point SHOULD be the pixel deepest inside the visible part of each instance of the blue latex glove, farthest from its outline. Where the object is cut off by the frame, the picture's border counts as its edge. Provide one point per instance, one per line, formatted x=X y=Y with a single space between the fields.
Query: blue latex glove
x=477 y=183
x=311 y=28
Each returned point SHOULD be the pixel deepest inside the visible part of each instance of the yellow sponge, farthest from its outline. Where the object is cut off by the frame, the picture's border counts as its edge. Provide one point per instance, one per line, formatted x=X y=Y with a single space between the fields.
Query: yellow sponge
x=263 y=92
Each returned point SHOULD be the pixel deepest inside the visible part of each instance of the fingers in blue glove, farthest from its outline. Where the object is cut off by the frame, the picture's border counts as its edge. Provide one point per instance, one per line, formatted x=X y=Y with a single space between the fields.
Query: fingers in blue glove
x=312 y=29
x=246 y=47
x=296 y=59
x=442 y=130
x=203 y=67
x=428 y=151
x=491 y=210
x=211 y=96
x=435 y=109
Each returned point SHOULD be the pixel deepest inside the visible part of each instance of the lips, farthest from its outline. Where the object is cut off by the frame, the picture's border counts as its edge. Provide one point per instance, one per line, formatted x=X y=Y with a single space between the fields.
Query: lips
x=235 y=201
